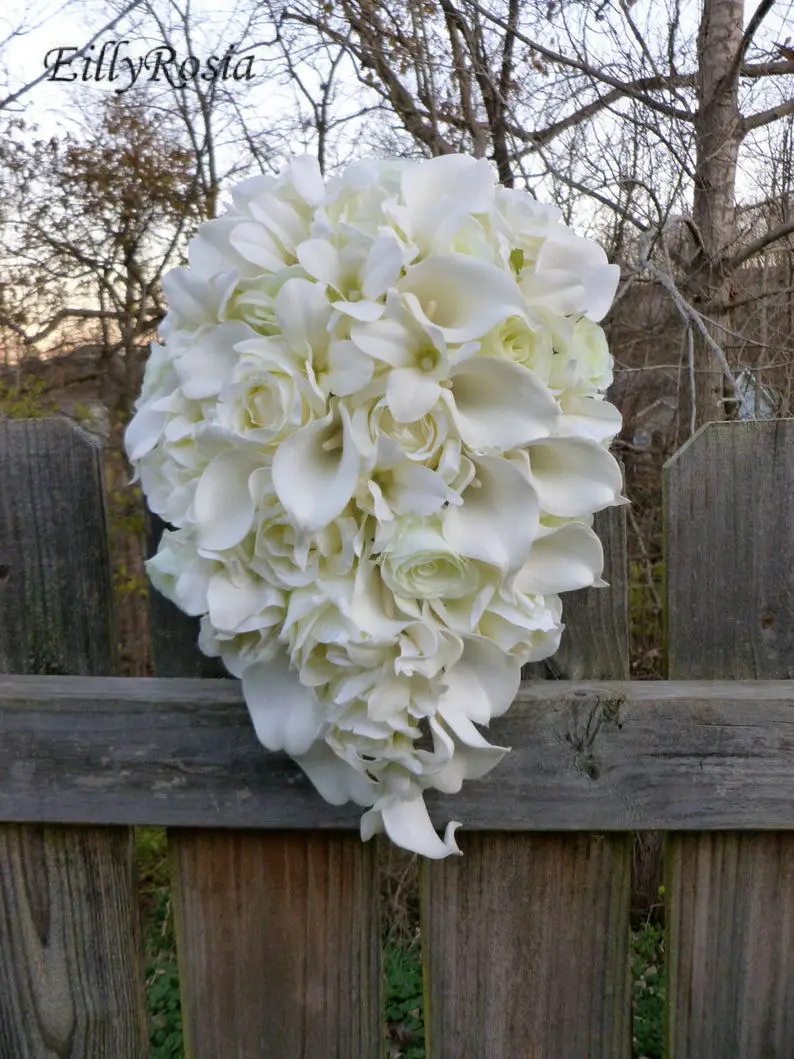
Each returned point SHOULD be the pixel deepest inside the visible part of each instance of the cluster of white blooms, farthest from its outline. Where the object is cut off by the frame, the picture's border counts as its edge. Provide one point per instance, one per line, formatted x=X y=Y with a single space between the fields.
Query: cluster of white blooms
x=376 y=422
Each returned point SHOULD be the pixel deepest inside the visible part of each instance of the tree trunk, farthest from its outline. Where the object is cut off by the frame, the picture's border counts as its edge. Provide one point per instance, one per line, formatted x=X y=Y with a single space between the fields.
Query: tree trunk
x=718 y=132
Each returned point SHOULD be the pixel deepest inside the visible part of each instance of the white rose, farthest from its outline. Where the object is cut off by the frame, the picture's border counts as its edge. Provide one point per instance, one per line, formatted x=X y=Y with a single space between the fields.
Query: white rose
x=421 y=441
x=238 y=651
x=268 y=396
x=284 y=555
x=419 y=564
x=582 y=360
x=169 y=487
x=527 y=627
x=179 y=573
x=516 y=340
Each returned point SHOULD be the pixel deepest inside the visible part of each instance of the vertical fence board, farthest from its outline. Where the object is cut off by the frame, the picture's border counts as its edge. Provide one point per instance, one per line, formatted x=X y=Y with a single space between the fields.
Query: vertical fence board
x=69 y=937
x=525 y=937
x=730 y=600
x=277 y=933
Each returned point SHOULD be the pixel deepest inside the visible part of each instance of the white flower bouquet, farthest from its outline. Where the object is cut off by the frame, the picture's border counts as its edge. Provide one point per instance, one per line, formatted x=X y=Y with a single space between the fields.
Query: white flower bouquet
x=376 y=422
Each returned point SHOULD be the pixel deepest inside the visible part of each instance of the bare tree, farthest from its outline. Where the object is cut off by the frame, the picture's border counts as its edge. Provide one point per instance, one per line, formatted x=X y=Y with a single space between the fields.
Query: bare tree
x=98 y=218
x=597 y=101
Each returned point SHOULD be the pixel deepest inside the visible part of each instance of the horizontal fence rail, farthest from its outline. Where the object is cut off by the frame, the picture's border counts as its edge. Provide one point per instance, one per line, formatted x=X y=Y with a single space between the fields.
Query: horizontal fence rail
x=592 y=755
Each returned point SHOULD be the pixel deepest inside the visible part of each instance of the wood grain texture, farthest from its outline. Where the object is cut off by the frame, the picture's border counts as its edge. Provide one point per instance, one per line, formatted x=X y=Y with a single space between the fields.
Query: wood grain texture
x=70 y=979
x=504 y=929
x=277 y=933
x=601 y=755
x=518 y=966
x=300 y=920
x=730 y=897
x=69 y=976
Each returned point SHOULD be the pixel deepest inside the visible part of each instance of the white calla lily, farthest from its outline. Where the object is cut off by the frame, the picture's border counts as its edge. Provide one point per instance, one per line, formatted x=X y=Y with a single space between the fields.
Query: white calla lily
x=336 y=780
x=568 y=558
x=588 y=417
x=574 y=476
x=315 y=471
x=223 y=508
x=565 y=252
x=286 y=715
x=498 y=405
x=481 y=685
x=408 y=824
x=471 y=528
x=462 y=296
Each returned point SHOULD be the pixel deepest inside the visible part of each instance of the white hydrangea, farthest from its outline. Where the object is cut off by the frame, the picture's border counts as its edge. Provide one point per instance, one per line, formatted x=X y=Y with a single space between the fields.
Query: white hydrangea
x=376 y=422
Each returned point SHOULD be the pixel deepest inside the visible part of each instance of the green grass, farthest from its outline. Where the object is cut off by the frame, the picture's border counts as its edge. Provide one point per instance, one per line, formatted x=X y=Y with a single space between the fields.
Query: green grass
x=402 y=970
x=160 y=968
x=647 y=976
x=402 y=995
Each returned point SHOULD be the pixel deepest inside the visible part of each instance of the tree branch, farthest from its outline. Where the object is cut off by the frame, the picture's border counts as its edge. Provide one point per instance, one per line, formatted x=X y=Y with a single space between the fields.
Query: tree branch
x=766 y=117
x=758 y=17
x=593 y=72
x=761 y=243
x=78 y=54
x=67 y=314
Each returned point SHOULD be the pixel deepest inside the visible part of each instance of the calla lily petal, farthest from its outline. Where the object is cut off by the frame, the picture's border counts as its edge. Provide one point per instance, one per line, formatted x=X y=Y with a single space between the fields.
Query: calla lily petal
x=369 y=606
x=498 y=405
x=336 y=780
x=315 y=471
x=574 y=476
x=463 y=296
x=471 y=758
x=222 y=507
x=410 y=394
x=471 y=528
x=286 y=715
x=362 y=310
x=254 y=243
x=382 y=267
x=144 y=431
x=587 y=417
x=469 y=181
x=349 y=370
x=303 y=314
x=321 y=260
x=408 y=824
x=307 y=179
x=568 y=559
x=566 y=252
x=482 y=685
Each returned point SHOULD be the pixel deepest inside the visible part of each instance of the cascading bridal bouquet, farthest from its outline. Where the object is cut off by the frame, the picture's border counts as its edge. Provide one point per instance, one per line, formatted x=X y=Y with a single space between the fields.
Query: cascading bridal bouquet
x=376 y=422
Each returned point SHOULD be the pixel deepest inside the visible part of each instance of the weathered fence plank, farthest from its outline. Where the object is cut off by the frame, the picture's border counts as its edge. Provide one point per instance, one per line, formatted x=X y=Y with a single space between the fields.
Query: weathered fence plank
x=277 y=934
x=70 y=980
x=547 y=900
x=296 y=908
x=593 y=755
x=730 y=898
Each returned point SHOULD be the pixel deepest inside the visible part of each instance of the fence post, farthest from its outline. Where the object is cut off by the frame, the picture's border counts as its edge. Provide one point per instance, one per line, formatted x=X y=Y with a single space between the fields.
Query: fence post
x=277 y=932
x=525 y=938
x=730 y=615
x=70 y=974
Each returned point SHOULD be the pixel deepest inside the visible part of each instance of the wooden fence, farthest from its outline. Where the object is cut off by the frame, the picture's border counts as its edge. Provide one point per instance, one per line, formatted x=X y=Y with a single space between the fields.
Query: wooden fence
x=526 y=937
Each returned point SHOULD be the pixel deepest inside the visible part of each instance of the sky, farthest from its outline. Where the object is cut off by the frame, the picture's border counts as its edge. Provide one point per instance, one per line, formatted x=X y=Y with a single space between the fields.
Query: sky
x=60 y=24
